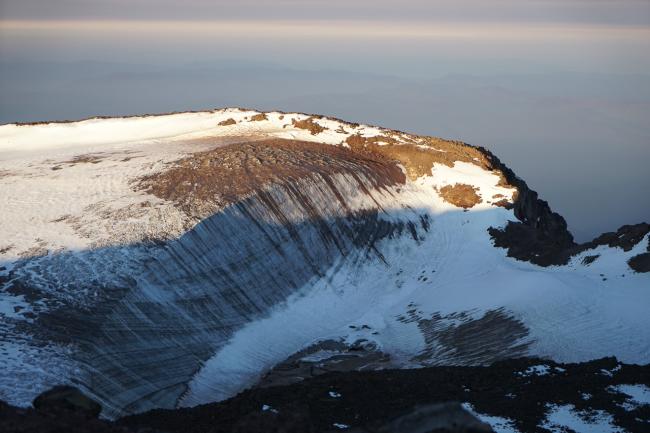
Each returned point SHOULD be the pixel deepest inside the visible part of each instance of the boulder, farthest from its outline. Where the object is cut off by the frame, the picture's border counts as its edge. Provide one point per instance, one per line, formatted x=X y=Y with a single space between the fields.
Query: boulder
x=66 y=398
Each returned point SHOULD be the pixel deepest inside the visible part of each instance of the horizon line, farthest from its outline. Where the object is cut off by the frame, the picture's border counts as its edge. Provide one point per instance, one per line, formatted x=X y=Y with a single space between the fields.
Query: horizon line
x=340 y=27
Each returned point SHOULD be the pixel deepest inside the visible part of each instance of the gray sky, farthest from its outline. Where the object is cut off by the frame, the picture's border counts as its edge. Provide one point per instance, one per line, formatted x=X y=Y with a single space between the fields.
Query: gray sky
x=612 y=12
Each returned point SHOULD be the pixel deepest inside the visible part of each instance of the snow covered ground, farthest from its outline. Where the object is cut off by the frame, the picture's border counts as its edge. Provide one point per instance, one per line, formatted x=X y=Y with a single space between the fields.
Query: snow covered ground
x=67 y=195
x=498 y=424
x=562 y=417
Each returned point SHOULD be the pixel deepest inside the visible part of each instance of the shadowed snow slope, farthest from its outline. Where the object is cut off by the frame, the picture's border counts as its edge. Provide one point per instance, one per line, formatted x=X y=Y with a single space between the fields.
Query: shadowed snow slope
x=174 y=260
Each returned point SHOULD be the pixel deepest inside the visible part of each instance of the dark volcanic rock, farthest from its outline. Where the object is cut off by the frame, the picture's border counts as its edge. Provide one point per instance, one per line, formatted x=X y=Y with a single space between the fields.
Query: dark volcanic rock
x=526 y=243
x=440 y=418
x=541 y=235
x=640 y=263
x=67 y=398
x=523 y=391
x=19 y=420
x=625 y=237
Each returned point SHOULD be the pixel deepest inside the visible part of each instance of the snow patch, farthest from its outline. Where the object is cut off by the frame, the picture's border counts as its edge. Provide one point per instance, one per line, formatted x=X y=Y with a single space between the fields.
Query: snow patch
x=639 y=395
x=498 y=424
x=562 y=417
x=267 y=408
x=540 y=370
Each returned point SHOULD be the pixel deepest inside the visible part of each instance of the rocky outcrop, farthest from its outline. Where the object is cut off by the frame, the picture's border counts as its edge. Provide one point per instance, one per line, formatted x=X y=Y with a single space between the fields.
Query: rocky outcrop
x=516 y=394
x=449 y=417
x=60 y=409
x=67 y=399
x=461 y=195
x=207 y=182
x=626 y=237
x=540 y=236
x=640 y=262
x=227 y=122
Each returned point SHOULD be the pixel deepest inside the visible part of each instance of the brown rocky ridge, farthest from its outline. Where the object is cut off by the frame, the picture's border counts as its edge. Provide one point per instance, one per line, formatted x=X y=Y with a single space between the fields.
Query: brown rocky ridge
x=539 y=235
x=461 y=195
x=309 y=125
x=206 y=181
x=258 y=117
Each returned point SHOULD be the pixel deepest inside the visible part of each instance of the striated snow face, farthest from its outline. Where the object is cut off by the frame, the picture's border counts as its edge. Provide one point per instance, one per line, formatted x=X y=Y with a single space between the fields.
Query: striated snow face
x=143 y=305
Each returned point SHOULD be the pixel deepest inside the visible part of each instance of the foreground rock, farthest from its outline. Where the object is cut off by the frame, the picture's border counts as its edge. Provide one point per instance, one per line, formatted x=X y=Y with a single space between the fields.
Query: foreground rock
x=61 y=409
x=439 y=417
x=67 y=399
x=523 y=395
x=520 y=395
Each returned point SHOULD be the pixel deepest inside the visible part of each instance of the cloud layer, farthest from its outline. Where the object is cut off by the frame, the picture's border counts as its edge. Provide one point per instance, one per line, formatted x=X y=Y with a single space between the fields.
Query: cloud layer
x=612 y=12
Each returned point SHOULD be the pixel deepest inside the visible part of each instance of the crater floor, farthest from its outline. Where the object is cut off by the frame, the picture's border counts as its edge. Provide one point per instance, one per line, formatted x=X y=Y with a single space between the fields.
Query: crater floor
x=175 y=260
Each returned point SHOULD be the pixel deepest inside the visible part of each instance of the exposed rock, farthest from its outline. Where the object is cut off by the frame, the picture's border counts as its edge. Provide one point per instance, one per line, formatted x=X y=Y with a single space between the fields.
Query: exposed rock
x=640 y=262
x=541 y=235
x=227 y=122
x=258 y=117
x=461 y=195
x=626 y=237
x=447 y=417
x=418 y=157
x=340 y=357
x=271 y=421
x=504 y=203
x=519 y=392
x=88 y=158
x=590 y=259
x=204 y=182
x=66 y=398
x=309 y=125
x=19 y=420
x=528 y=243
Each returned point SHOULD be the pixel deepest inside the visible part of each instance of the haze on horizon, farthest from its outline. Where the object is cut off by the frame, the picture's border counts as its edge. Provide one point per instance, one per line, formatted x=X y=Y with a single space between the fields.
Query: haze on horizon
x=559 y=90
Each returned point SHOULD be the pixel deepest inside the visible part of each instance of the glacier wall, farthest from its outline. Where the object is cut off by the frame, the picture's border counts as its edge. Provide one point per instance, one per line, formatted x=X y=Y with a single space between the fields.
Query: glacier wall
x=142 y=319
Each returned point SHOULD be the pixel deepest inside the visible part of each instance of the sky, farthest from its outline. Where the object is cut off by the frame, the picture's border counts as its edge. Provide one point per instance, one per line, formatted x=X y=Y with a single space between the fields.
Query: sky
x=611 y=12
x=559 y=90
